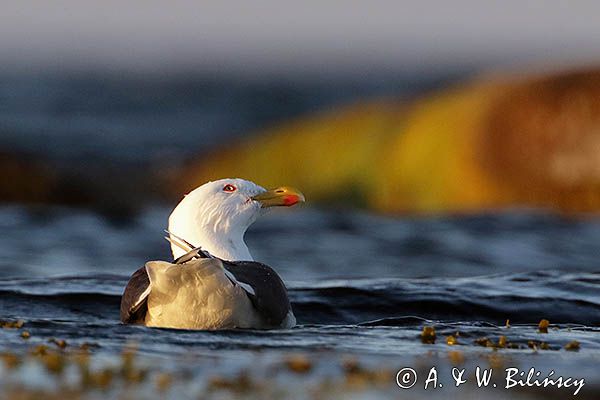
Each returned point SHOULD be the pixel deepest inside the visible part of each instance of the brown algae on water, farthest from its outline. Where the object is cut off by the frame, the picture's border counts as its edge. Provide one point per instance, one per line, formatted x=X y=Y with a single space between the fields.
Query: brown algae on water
x=298 y=363
x=537 y=345
x=241 y=383
x=163 y=381
x=39 y=350
x=352 y=374
x=451 y=340
x=358 y=376
x=129 y=371
x=543 y=326
x=10 y=360
x=456 y=357
x=428 y=335
x=484 y=342
x=60 y=359
x=18 y=324
x=60 y=343
x=572 y=346
x=502 y=342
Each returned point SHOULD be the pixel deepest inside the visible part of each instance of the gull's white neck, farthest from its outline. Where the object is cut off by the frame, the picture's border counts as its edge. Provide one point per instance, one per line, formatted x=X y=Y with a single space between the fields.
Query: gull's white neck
x=226 y=244
x=203 y=226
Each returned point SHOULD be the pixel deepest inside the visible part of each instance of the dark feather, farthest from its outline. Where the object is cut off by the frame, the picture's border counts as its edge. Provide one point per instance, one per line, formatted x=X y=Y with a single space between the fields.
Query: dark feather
x=133 y=308
x=270 y=294
x=193 y=253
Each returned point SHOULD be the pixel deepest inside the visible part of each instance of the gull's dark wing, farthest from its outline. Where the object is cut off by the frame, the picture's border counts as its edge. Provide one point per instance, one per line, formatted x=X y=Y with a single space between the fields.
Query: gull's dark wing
x=270 y=296
x=134 y=302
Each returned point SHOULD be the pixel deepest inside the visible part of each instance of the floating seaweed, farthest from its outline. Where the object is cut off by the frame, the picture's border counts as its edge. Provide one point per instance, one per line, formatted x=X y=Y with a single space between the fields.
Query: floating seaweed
x=18 y=324
x=572 y=346
x=163 y=381
x=543 y=326
x=298 y=363
x=428 y=335
x=60 y=343
x=451 y=340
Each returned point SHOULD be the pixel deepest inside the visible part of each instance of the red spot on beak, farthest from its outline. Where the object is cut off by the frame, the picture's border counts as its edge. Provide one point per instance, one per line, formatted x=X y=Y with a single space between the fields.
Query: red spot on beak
x=290 y=199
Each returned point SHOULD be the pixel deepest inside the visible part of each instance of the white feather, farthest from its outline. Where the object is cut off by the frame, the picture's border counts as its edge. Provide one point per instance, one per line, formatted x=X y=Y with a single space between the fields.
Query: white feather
x=217 y=220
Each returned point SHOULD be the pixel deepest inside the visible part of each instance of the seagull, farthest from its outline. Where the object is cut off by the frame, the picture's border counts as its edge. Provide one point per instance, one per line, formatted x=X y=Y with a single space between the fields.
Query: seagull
x=213 y=282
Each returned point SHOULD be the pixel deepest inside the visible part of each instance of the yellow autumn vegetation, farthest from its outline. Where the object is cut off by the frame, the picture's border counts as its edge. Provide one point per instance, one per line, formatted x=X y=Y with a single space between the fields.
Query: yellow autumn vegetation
x=487 y=144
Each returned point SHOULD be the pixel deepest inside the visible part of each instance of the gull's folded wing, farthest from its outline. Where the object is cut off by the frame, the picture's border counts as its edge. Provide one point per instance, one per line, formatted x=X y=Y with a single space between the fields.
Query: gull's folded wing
x=134 y=300
x=269 y=294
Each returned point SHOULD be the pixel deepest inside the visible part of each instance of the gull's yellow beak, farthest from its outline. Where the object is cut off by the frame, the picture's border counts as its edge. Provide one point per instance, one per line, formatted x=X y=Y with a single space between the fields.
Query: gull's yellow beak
x=281 y=196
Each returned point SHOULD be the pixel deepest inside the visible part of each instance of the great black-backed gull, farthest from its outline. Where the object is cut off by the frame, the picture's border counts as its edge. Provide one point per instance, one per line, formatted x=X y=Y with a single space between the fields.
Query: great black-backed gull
x=213 y=283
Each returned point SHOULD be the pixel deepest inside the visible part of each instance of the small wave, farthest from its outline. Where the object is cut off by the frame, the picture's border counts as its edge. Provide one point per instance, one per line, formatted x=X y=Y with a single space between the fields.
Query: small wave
x=521 y=298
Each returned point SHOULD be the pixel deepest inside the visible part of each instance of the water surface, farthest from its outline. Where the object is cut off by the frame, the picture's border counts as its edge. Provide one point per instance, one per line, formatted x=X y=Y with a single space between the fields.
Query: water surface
x=361 y=286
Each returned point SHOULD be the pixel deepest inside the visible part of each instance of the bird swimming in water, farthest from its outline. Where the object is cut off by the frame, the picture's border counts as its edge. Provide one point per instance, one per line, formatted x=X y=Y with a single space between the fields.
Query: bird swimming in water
x=214 y=283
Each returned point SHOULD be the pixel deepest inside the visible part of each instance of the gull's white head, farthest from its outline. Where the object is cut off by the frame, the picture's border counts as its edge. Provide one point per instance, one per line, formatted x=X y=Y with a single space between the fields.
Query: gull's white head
x=217 y=214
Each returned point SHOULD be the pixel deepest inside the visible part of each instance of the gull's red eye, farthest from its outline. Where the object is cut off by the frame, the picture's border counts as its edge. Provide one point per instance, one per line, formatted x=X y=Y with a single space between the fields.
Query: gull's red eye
x=229 y=188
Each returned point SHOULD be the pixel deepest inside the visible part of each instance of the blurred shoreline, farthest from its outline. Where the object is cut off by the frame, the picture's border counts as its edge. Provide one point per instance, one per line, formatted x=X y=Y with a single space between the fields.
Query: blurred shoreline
x=432 y=144
x=115 y=142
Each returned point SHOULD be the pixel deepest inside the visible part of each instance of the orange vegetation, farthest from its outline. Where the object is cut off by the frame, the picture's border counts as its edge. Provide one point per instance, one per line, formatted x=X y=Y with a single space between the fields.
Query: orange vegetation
x=488 y=144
